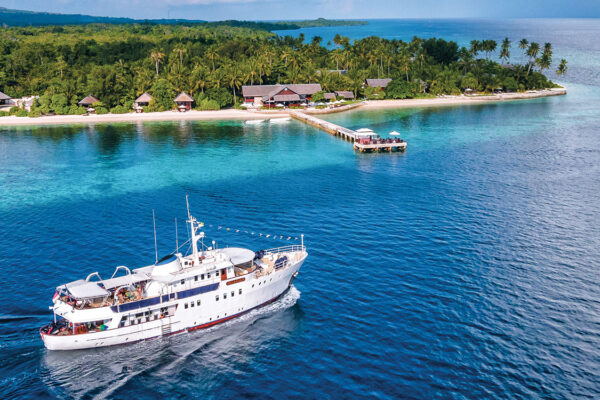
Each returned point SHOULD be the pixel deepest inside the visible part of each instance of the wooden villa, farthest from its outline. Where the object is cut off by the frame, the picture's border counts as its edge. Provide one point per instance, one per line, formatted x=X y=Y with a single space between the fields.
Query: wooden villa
x=344 y=94
x=141 y=102
x=378 y=83
x=279 y=95
x=329 y=96
x=5 y=99
x=184 y=102
x=87 y=102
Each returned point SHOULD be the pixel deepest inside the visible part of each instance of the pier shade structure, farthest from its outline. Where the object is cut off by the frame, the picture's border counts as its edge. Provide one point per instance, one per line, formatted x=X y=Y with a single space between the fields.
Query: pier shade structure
x=364 y=140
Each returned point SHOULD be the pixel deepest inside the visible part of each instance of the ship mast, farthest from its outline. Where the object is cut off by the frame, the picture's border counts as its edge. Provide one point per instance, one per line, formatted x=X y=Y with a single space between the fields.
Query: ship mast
x=194 y=225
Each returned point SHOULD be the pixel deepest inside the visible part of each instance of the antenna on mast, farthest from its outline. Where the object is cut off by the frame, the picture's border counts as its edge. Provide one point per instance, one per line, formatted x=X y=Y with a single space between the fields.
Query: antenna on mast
x=155 y=248
x=176 y=237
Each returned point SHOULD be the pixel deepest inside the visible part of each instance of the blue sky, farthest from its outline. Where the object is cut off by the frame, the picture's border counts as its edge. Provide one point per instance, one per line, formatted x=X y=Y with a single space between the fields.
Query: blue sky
x=300 y=9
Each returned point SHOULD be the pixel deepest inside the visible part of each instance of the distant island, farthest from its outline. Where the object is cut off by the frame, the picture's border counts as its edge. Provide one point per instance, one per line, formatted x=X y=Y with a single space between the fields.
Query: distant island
x=9 y=17
x=207 y=64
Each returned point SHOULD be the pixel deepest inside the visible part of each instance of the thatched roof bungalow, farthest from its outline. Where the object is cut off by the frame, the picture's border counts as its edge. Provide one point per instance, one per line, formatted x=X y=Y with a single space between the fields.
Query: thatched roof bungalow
x=344 y=94
x=88 y=101
x=142 y=101
x=329 y=96
x=184 y=101
x=378 y=83
x=5 y=99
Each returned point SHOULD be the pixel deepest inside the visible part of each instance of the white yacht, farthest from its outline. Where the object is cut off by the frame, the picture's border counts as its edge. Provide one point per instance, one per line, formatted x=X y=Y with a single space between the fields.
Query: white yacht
x=179 y=293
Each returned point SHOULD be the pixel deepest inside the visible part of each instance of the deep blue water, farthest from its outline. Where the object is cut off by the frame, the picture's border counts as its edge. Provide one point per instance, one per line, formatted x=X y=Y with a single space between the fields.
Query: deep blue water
x=467 y=267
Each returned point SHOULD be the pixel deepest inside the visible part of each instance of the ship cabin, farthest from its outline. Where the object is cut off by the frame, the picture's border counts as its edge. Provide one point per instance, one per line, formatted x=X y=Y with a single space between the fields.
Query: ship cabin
x=147 y=293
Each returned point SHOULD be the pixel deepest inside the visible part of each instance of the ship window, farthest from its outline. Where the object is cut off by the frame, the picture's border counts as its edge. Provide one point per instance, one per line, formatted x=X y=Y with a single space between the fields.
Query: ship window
x=191 y=304
x=253 y=285
x=198 y=303
x=196 y=278
x=207 y=276
x=232 y=293
x=217 y=273
x=217 y=297
x=186 y=305
x=182 y=281
x=224 y=295
x=202 y=276
x=240 y=291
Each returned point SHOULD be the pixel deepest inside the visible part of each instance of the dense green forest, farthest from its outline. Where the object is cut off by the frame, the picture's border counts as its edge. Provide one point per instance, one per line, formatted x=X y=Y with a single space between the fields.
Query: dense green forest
x=116 y=63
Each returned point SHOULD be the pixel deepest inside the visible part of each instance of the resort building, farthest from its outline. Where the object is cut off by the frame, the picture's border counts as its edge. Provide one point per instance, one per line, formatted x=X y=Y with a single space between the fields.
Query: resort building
x=184 y=102
x=344 y=94
x=279 y=95
x=5 y=100
x=88 y=101
x=339 y=95
x=142 y=101
x=378 y=83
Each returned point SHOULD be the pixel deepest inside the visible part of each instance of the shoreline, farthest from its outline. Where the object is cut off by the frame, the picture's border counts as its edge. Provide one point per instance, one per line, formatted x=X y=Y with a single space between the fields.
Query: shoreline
x=233 y=114
x=461 y=100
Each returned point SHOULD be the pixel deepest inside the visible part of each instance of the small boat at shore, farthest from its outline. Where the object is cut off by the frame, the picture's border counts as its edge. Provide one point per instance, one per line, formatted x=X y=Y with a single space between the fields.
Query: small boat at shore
x=255 y=121
x=283 y=120
x=178 y=293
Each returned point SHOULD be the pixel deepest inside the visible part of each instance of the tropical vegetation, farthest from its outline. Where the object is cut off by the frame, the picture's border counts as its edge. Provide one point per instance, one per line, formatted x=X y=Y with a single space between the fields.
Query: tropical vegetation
x=117 y=63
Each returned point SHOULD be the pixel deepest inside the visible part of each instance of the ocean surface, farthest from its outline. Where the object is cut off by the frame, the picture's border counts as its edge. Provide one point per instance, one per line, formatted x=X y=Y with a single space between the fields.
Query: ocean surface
x=467 y=267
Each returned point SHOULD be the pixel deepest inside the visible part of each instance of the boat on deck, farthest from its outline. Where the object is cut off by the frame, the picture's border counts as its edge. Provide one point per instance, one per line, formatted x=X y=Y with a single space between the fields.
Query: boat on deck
x=176 y=294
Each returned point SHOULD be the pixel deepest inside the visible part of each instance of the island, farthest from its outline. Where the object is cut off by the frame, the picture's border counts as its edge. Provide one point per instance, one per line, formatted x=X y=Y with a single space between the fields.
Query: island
x=96 y=69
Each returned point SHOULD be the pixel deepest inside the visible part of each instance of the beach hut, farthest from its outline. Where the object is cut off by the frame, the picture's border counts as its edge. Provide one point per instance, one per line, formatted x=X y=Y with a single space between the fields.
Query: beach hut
x=184 y=102
x=5 y=99
x=344 y=94
x=87 y=102
x=378 y=83
x=329 y=96
x=142 y=102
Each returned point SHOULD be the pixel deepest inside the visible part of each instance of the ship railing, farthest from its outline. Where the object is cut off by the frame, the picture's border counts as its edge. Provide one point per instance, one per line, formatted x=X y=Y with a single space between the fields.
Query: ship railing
x=286 y=249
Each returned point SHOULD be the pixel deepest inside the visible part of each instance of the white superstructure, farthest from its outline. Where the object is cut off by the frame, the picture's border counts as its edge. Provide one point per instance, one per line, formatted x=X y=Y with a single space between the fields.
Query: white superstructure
x=176 y=294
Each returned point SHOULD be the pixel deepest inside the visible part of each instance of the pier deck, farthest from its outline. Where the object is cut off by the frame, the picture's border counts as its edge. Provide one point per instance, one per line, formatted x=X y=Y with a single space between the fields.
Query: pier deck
x=360 y=144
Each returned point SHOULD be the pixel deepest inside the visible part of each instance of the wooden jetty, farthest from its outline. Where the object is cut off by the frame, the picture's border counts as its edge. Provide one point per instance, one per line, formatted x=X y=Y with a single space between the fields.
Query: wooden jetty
x=366 y=141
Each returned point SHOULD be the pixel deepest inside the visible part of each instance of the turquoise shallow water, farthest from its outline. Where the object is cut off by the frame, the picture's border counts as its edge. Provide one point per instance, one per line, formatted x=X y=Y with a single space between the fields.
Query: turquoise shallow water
x=466 y=267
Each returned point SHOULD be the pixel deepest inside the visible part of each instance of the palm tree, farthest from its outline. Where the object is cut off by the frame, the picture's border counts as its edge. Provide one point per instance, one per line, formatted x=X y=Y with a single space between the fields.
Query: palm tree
x=285 y=54
x=505 y=49
x=337 y=56
x=404 y=61
x=212 y=56
x=157 y=56
x=532 y=52
x=475 y=47
x=523 y=44
x=180 y=50
x=61 y=65
x=562 y=67
x=233 y=80
x=489 y=46
x=252 y=70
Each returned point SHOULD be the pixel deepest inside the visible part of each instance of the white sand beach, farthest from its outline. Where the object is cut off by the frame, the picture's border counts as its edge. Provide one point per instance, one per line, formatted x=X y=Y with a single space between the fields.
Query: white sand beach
x=246 y=115
x=459 y=100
